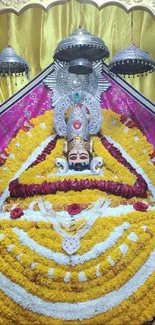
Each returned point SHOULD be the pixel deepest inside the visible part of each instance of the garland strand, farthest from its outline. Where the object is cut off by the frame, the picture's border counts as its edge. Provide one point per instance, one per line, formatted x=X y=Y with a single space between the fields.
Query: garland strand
x=49 y=148
x=127 y=191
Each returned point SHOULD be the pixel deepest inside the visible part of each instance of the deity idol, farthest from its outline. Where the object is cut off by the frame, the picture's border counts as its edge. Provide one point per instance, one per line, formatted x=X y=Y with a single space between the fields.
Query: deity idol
x=78 y=147
x=78 y=141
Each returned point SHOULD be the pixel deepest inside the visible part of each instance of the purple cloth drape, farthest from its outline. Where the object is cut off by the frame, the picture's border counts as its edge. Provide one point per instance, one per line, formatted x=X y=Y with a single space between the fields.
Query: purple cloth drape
x=39 y=99
x=118 y=100
x=31 y=105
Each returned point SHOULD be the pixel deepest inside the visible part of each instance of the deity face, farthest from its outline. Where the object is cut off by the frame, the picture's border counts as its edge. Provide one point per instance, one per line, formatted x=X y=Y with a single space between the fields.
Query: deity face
x=78 y=159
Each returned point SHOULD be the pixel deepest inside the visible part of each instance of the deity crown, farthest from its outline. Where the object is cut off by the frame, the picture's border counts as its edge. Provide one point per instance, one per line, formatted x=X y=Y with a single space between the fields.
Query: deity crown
x=79 y=143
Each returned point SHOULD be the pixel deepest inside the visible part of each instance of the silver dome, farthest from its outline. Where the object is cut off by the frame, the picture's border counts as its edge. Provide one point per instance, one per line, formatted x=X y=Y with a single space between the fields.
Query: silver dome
x=131 y=61
x=81 y=44
x=11 y=63
x=80 y=66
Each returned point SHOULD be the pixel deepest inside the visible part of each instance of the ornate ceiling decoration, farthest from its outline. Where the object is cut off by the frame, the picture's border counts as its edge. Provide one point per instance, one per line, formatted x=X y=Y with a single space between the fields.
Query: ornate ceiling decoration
x=19 y=6
x=127 y=5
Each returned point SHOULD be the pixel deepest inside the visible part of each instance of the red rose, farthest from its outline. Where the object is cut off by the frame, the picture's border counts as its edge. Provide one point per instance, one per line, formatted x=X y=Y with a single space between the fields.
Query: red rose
x=153 y=154
x=123 y=118
x=46 y=187
x=73 y=209
x=2 y=161
x=131 y=124
x=140 y=206
x=64 y=186
x=27 y=126
x=75 y=185
x=128 y=122
x=16 y=213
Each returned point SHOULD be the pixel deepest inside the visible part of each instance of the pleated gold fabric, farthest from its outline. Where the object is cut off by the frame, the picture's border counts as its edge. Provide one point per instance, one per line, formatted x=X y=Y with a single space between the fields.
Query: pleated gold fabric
x=35 y=34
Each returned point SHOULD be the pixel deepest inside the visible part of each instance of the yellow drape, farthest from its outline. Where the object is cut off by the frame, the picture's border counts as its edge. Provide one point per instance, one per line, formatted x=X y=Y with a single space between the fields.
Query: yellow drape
x=35 y=34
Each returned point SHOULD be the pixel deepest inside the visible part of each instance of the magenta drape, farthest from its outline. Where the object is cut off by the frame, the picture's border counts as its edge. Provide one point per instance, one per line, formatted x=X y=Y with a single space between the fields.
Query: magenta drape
x=39 y=99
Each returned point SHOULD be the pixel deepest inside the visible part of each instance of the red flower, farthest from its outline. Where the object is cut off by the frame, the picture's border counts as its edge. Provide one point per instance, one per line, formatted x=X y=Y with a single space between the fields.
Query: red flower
x=73 y=209
x=140 y=206
x=128 y=121
x=131 y=124
x=153 y=154
x=3 y=157
x=2 y=161
x=27 y=126
x=16 y=213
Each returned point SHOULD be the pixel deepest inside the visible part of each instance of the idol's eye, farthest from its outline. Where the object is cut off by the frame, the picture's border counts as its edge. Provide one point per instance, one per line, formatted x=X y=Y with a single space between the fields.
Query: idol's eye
x=83 y=156
x=73 y=157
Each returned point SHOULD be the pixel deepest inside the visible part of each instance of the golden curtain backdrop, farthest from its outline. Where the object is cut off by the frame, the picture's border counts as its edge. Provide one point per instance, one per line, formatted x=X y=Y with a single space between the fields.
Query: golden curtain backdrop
x=36 y=33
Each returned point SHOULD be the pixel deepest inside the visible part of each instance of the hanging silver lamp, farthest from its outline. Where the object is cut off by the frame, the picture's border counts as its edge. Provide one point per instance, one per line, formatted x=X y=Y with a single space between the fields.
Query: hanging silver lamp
x=80 y=49
x=12 y=64
x=80 y=66
x=132 y=60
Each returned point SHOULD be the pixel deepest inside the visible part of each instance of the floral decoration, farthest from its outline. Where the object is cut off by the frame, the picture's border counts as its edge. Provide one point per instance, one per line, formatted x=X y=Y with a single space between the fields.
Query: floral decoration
x=124 y=190
x=128 y=122
x=74 y=209
x=110 y=280
x=16 y=213
x=140 y=206
x=47 y=150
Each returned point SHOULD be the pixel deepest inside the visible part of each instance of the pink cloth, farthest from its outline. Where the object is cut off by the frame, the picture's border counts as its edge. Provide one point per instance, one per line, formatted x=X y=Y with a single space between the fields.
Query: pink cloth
x=31 y=105
x=123 y=103
x=39 y=99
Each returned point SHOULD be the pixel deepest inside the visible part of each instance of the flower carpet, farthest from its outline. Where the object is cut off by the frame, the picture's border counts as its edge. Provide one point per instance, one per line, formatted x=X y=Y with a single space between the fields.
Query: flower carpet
x=110 y=218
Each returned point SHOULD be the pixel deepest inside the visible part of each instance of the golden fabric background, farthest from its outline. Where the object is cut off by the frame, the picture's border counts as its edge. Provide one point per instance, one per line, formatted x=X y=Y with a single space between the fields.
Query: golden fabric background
x=35 y=34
